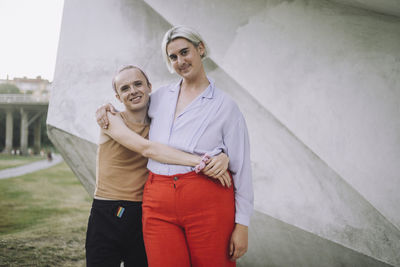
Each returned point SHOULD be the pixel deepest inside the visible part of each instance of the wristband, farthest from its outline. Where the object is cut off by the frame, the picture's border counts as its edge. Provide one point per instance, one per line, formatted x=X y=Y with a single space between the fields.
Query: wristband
x=202 y=163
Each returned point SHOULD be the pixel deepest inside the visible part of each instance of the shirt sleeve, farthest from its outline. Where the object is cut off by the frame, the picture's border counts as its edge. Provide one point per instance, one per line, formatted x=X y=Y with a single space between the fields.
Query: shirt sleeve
x=238 y=149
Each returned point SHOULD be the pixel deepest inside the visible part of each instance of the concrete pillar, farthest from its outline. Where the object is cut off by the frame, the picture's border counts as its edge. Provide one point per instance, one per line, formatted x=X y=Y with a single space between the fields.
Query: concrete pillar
x=325 y=172
x=9 y=132
x=36 y=136
x=24 y=132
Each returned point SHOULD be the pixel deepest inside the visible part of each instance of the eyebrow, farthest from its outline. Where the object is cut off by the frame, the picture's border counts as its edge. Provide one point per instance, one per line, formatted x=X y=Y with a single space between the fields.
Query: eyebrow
x=185 y=48
x=135 y=81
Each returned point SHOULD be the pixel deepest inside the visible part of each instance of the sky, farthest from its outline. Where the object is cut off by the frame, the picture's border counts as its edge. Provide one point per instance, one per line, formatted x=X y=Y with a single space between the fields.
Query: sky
x=29 y=32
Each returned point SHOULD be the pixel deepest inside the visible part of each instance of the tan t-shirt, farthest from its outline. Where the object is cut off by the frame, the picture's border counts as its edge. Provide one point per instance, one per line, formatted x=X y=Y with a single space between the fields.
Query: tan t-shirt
x=120 y=172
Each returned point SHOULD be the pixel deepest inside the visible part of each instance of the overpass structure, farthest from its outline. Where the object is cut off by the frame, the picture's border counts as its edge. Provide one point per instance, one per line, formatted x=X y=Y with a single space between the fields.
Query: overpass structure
x=319 y=84
x=31 y=109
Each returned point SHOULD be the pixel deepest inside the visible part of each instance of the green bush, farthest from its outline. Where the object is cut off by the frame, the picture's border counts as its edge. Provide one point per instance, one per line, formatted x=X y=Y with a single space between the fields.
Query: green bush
x=6 y=88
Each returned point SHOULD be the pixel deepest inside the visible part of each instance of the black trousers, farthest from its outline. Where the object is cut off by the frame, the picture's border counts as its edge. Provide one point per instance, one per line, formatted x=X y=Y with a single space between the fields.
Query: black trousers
x=115 y=234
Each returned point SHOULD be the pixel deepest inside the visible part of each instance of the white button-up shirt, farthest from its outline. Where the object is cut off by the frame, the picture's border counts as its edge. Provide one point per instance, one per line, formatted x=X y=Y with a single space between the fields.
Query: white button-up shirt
x=210 y=124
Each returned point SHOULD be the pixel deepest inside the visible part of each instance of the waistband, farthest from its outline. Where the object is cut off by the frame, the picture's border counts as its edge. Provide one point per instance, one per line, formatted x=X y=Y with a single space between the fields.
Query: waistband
x=124 y=203
x=188 y=175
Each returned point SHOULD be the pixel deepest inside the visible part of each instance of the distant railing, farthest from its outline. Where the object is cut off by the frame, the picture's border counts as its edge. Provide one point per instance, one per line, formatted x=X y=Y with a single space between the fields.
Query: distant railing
x=23 y=98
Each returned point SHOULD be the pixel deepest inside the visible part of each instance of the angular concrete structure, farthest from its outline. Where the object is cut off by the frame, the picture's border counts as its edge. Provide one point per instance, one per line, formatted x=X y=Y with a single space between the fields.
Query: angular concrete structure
x=319 y=84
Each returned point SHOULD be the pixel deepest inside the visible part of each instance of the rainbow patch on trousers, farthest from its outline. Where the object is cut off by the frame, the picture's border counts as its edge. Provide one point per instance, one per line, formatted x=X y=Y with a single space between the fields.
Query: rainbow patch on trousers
x=120 y=211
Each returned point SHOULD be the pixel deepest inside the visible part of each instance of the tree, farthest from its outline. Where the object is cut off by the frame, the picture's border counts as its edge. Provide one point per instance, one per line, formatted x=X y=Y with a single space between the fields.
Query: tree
x=6 y=88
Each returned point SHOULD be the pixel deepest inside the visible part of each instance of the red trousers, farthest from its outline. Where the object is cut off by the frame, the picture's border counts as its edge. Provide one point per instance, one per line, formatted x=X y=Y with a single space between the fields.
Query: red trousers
x=188 y=220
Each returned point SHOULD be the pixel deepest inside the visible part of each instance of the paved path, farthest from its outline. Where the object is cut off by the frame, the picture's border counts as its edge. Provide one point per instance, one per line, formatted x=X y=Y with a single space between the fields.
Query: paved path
x=31 y=167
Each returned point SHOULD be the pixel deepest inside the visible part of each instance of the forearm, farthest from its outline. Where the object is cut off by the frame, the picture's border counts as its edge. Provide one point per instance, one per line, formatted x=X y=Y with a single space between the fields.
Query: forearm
x=166 y=154
x=244 y=195
x=156 y=151
x=238 y=148
x=244 y=208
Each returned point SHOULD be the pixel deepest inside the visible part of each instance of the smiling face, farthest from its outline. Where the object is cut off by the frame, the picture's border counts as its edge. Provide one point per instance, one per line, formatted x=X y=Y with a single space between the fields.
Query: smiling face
x=185 y=58
x=132 y=89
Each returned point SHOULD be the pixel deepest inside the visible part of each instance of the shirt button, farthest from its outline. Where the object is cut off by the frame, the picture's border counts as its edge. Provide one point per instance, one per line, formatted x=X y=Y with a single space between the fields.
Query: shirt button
x=175 y=178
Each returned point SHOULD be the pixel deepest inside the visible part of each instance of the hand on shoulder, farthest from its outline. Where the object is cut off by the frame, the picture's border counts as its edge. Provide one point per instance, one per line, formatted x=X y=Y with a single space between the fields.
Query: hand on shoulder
x=101 y=114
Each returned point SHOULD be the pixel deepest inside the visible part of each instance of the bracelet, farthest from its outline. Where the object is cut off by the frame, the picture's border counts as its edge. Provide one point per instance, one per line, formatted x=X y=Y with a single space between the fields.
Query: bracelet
x=202 y=163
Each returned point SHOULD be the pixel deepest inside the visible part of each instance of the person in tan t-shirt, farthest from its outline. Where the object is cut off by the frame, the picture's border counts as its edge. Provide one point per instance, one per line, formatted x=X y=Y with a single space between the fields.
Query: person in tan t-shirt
x=114 y=231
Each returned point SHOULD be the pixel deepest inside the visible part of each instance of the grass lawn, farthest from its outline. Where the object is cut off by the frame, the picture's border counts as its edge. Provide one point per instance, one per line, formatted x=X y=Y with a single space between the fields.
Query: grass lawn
x=10 y=161
x=43 y=219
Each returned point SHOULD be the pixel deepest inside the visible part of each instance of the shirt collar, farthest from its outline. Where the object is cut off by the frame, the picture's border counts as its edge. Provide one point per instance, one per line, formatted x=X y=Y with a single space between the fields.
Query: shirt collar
x=208 y=93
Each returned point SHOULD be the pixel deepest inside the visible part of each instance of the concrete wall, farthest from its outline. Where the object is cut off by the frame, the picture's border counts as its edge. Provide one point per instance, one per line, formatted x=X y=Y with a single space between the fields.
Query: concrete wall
x=319 y=85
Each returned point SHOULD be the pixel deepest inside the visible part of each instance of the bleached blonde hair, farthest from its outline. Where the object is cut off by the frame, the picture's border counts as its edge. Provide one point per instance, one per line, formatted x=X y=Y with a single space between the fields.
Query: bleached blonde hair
x=181 y=32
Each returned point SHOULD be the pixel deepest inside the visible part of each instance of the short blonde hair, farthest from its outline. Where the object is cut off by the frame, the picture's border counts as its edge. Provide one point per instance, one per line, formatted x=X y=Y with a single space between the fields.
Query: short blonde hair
x=181 y=32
